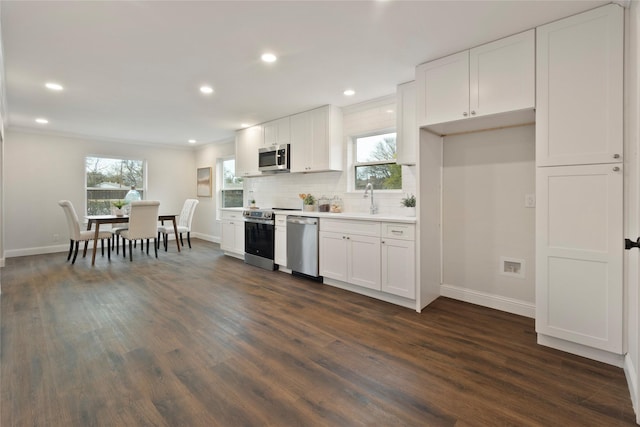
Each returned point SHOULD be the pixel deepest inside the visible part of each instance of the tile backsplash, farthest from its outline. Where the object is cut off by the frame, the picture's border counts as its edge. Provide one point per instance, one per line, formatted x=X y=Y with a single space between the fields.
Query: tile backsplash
x=281 y=190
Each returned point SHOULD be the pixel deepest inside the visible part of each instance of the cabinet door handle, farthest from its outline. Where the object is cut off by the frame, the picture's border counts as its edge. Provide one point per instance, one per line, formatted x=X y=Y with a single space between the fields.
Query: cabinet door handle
x=382 y=242
x=397 y=231
x=473 y=113
x=465 y=114
x=616 y=169
x=616 y=156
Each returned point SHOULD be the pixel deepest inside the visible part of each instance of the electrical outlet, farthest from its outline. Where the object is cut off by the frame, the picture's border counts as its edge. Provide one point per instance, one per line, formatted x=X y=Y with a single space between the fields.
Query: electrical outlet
x=529 y=200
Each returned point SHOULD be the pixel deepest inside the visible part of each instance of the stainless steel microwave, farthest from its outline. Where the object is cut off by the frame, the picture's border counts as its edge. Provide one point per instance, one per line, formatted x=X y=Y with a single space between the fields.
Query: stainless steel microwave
x=274 y=158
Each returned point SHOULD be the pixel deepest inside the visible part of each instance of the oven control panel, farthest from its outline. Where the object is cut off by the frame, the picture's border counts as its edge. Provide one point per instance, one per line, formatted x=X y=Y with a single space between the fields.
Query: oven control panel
x=257 y=214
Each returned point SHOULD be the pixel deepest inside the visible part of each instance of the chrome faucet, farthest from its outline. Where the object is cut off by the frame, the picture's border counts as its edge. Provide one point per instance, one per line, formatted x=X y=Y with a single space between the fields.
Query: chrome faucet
x=372 y=207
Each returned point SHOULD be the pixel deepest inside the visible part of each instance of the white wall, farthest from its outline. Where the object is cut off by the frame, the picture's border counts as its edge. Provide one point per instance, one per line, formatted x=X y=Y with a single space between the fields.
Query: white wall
x=41 y=169
x=485 y=178
x=205 y=225
x=281 y=190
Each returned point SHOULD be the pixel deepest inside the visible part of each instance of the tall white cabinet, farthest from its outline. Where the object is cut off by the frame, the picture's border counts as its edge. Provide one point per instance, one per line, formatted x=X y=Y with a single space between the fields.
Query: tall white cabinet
x=579 y=181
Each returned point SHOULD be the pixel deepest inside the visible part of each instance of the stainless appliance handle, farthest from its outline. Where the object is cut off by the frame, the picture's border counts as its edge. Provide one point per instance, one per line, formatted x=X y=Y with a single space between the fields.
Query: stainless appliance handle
x=259 y=221
x=302 y=220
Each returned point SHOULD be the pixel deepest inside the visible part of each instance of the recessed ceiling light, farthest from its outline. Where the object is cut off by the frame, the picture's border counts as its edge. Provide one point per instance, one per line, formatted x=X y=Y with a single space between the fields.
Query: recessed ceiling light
x=42 y=121
x=53 y=86
x=389 y=111
x=269 y=57
x=206 y=89
x=244 y=125
x=192 y=141
x=349 y=92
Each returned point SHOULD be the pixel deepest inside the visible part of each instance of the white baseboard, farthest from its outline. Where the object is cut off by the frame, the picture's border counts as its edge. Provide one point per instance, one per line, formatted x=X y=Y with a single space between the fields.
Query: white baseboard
x=207 y=237
x=510 y=305
x=12 y=253
x=582 y=350
x=632 y=382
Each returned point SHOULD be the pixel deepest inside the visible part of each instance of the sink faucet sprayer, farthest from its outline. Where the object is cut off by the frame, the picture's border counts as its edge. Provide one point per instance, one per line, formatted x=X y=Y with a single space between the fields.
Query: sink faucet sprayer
x=372 y=207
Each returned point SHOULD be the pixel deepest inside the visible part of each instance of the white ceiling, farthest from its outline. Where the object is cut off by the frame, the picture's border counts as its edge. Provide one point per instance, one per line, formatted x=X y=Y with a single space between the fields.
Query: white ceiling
x=131 y=70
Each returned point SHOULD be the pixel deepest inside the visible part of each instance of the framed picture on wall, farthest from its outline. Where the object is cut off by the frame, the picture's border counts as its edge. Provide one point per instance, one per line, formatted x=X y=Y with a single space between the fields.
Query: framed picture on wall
x=204 y=182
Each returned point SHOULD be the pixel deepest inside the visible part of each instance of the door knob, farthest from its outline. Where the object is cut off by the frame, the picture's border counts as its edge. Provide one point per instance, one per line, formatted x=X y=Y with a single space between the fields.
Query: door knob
x=630 y=244
x=616 y=156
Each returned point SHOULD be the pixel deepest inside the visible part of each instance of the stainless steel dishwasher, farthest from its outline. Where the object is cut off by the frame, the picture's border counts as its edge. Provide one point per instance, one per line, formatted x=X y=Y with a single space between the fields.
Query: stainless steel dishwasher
x=302 y=245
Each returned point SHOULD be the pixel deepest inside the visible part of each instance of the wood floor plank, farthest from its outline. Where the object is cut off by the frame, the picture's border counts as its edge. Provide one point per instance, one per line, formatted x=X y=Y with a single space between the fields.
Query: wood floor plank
x=200 y=339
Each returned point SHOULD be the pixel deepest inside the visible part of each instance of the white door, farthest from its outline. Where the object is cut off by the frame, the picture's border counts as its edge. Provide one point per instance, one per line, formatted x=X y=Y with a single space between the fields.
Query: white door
x=579 y=249
x=247 y=143
x=228 y=238
x=398 y=267
x=443 y=89
x=580 y=89
x=364 y=257
x=301 y=140
x=239 y=237
x=333 y=256
x=502 y=75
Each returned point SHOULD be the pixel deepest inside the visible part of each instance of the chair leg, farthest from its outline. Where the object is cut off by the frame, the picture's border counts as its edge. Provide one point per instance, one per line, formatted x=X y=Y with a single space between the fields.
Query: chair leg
x=155 y=246
x=141 y=245
x=102 y=246
x=84 y=251
x=124 y=248
x=130 y=251
x=70 y=249
x=109 y=249
x=154 y=242
x=165 y=241
x=75 y=254
x=189 y=238
x=181 y=241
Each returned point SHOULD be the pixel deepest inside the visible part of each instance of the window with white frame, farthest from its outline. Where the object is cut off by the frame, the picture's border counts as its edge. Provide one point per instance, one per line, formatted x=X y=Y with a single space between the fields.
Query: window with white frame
x=108 y=179
x=375 y=162
x=231 y=185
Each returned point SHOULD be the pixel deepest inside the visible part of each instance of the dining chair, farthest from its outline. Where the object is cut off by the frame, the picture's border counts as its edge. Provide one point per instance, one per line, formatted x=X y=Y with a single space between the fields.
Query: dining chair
x=143 y=224
x=76 y=235
x=183 y=225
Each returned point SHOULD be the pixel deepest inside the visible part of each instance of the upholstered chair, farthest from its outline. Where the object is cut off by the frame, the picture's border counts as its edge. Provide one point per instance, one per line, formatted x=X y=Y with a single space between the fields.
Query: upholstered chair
x=143 y=224
x=76 y=235
x=183 y=225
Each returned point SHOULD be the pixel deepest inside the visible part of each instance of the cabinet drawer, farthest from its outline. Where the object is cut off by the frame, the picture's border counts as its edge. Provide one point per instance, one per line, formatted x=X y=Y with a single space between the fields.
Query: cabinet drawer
x=281 y=221
x=232 y=215
x=399 y=231
x=363 y=228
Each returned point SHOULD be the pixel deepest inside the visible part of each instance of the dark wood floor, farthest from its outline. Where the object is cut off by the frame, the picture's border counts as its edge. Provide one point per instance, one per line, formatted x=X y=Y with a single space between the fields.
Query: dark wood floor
x=200 y=339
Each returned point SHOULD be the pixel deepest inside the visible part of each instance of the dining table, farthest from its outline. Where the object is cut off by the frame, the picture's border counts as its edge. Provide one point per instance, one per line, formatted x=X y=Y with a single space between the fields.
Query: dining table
x=116 y=219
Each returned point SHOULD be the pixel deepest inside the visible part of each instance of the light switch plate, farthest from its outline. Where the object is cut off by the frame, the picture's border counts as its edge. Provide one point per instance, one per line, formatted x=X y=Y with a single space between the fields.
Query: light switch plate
x=529 y=200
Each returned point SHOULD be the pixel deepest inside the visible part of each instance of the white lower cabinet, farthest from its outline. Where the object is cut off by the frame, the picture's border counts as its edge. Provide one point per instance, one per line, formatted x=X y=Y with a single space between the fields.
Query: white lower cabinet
x=361 y=253
x=350 y=258
x=232 y=239
x=579 y=275
x=280 y=254
x=398 y=267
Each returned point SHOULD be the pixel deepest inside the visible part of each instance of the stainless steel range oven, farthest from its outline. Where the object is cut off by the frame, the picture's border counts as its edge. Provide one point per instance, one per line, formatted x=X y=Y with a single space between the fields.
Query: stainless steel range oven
x=259 y=238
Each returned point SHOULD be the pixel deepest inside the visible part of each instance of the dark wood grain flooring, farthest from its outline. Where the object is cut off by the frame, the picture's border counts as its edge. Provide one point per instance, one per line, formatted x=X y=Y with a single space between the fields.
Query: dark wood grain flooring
x=200 y=339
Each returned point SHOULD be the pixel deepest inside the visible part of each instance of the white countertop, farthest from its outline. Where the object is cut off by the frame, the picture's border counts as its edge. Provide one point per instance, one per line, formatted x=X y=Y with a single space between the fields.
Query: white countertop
x=343 y=215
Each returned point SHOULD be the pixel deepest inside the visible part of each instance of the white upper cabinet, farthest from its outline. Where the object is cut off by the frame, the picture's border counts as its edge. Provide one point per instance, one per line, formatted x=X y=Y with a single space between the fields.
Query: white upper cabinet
x=502 y=75
x=474 y=89
x=580 y=89
x=316 y=140
x=406 y=126
x=247 y=143
x=277 y=132
x=443 y=89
